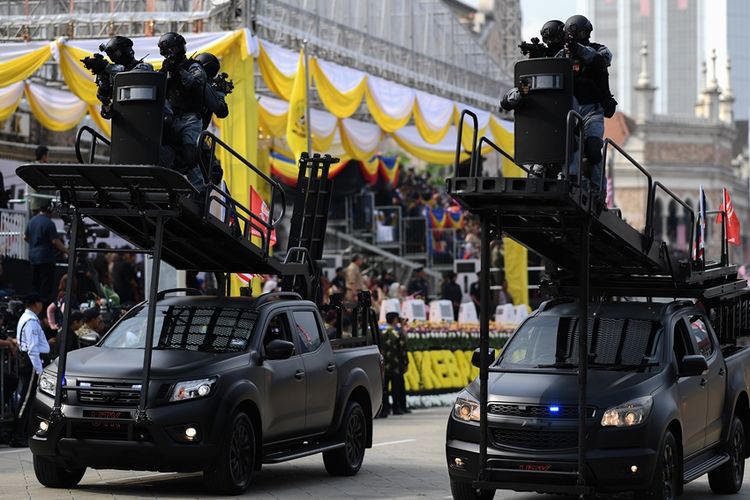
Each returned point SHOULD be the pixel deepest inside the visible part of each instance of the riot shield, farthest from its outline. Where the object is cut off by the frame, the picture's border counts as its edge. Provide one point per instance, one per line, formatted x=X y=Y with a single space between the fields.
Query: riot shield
x=137 y=118
x=540 y=119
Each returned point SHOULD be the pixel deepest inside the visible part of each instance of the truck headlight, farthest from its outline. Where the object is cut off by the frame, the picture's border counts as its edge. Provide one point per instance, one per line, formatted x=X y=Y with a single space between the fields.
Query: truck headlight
x=466 y=409
x=47 y=383
x=192 y=389
x=633 y=412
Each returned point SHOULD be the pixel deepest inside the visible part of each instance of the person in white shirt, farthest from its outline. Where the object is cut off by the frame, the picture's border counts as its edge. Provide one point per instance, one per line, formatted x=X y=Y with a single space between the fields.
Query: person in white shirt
x=31 y=343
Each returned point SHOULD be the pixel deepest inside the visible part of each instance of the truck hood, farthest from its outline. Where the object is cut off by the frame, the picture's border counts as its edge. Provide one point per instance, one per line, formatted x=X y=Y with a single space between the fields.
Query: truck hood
x=605 y=388
x=101 y=362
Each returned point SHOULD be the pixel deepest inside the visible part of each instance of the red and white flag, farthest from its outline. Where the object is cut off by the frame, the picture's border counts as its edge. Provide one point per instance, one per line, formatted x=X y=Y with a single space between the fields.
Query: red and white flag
x=259 y=207
x=645 y=8
x=733 y=222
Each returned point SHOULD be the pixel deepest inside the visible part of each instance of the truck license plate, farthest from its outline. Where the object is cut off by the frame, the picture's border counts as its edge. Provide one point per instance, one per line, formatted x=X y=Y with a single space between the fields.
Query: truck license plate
x=106 y=414
x=535 y=467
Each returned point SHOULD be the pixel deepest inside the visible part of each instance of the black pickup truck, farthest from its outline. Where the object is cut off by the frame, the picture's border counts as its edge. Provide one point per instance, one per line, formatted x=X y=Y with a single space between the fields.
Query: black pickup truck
x=666 y=404
x=235 y=383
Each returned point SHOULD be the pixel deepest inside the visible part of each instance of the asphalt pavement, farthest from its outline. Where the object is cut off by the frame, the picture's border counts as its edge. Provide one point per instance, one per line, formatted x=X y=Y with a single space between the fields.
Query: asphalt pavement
x=407 y=461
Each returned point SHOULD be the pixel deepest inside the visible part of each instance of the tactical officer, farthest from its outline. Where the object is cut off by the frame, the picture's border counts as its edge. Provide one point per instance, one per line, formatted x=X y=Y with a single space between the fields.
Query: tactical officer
x=119 y=49
x=592 y=98
x=214 y=103
x=186 y=80
x=215 y=92
x=553 y=36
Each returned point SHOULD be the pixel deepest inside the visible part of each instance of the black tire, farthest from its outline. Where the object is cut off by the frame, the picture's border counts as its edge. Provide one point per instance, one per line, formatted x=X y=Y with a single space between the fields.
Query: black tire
x=347 y=461
x=234 y=467
x=727 y=479
x=54 y=476
x=465 y=491
x=667 y=478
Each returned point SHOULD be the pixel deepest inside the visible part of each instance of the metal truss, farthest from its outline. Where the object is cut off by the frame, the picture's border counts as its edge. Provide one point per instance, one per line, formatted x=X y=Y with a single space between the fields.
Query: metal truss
x=48 y=19
x=419 y=43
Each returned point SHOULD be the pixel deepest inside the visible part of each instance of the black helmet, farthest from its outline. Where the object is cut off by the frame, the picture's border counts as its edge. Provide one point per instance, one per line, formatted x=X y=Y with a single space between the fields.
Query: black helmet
x=210 y=63
x=578 y=28
x=119 y=49
x=171 y=44
x=553 y=32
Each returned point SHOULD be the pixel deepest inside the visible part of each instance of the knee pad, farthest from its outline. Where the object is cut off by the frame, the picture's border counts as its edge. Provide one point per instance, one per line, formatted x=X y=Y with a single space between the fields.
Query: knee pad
x=592 y=149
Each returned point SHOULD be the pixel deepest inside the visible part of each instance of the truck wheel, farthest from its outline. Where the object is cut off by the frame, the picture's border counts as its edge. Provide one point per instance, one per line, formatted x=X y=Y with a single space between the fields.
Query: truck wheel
x=666 y=481
x=727 y=479
x=233 y=470
x=465 y=491
x=53 y=476
x=346 y=461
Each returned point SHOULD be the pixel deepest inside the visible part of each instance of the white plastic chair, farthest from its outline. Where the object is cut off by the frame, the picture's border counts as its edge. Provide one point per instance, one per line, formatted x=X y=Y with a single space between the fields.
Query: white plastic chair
x=467 y=313
x=441 y=310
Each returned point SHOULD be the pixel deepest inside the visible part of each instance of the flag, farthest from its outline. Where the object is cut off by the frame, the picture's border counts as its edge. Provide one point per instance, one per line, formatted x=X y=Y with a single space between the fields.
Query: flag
x=610 y=201
x=733 y=222
x=645 y=8
x=296 y=124
x=700 y=228
x=259 y=207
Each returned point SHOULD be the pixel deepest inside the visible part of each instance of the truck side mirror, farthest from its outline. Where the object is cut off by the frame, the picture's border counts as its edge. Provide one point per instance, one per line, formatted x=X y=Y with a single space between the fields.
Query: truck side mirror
x=279 y=349
x=475 y=357
x=693 y=365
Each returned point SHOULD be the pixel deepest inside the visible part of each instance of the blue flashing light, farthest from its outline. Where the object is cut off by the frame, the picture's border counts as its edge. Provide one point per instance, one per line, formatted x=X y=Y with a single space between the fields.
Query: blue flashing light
x=554 y=409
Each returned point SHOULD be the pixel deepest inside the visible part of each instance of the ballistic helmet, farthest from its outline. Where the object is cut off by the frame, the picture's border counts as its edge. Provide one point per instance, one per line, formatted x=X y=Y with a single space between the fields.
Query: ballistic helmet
x=578 y=28
x=119 y=49
x=553 y=32
x=210 y=63
x=171 y=44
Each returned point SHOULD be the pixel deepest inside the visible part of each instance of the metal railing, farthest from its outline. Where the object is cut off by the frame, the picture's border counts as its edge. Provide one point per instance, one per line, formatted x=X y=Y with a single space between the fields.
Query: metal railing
x=415 y=237
x=360 y=210
x=388 y=227
x=12 y=229
x=446 y=248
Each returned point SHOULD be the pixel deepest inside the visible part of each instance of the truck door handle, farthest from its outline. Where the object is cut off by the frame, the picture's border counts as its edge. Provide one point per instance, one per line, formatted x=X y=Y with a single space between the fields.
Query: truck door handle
x=721 y=372
x=299 y=374
x=331 y=367
x=703 y=382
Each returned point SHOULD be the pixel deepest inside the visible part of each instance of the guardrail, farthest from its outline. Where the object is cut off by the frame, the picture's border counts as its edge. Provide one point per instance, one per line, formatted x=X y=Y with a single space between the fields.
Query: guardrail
x=12 y=229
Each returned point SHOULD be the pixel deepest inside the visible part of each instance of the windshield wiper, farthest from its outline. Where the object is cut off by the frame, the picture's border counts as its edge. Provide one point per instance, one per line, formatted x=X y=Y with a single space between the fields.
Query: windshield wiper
x=614 y=367
x=560 y=364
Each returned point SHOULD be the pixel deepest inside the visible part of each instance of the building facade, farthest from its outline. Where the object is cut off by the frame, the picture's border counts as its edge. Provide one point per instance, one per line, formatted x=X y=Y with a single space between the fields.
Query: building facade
x=682 y=35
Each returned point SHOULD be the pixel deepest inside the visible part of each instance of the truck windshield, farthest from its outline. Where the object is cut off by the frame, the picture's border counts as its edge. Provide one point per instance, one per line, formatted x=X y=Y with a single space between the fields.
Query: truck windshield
x=192 y=328
x=614 y=343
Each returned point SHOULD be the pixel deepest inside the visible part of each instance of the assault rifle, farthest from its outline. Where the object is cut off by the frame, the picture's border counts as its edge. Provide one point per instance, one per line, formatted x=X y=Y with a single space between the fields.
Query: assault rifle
x=534 y=49
x=222 y=83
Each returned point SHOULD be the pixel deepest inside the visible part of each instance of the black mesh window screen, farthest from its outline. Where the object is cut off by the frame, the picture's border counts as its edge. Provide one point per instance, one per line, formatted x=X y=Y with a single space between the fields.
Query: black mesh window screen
x=205 y=328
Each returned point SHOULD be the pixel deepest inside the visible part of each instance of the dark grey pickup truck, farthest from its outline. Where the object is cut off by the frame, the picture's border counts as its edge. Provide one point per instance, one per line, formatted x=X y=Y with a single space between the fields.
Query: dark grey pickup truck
x=666 y=404
x=235 y=383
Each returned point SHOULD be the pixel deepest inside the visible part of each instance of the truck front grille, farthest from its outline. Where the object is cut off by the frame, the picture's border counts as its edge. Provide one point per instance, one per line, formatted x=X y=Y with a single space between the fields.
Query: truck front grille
x=116 y=394
x=537 y=411
x=532 y=439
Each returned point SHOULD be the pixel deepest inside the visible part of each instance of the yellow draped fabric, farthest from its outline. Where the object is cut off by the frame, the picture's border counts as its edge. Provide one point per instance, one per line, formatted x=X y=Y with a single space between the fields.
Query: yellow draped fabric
x=78 y=79
x=516 y=255
x=297 y=128
x=9 y=98
x=104 y=125
x=240 y=130
x=22 y=67
x=428 y=134
x=387 y=122
x=278 y=82
x=54 y=116
x=429 y=155
x=340 y=104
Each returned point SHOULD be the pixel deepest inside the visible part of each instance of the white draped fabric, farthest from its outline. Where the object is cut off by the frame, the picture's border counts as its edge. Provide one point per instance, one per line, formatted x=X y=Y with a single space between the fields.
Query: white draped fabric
x=343 y=78
x=436 y=111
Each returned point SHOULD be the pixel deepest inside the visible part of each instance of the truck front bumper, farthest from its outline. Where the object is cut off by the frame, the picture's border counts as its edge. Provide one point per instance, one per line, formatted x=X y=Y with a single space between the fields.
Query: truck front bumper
x=607 y=470
x=98 y=438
